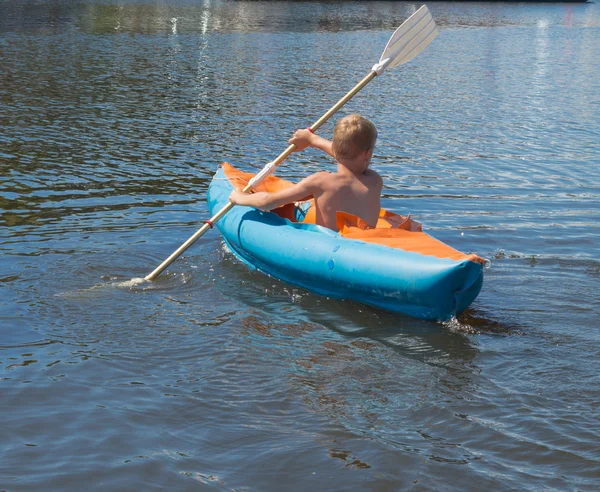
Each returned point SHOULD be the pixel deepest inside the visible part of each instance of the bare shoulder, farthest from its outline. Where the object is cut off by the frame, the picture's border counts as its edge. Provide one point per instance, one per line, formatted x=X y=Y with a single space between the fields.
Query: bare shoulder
x=369 y=173
x=318 y=180
x=372 y=178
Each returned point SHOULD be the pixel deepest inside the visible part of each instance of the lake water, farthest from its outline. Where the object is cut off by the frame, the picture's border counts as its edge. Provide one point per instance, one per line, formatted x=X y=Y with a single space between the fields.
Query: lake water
x=115 y=115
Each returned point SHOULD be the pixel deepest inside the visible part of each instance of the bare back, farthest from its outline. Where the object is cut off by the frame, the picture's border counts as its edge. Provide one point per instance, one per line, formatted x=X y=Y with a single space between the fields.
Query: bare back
x=344 y=191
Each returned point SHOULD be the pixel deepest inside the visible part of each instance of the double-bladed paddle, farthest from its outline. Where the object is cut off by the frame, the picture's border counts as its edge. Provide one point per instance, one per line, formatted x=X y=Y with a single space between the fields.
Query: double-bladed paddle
x=408 y=41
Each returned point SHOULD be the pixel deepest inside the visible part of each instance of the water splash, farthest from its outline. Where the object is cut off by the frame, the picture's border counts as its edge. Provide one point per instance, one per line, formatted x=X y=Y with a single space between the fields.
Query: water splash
x=455 y=326
x=128 y=284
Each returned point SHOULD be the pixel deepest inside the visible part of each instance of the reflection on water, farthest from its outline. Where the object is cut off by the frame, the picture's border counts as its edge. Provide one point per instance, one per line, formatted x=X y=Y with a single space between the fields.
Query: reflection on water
x=219 y=16
x=115 y=116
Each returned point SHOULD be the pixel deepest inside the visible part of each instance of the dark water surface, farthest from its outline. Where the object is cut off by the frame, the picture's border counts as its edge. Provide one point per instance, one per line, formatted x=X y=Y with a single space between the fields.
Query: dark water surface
x=115 y=115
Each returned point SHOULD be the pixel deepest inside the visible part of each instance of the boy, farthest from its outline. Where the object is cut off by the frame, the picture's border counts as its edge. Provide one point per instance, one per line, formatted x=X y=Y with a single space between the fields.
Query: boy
x=354 y=188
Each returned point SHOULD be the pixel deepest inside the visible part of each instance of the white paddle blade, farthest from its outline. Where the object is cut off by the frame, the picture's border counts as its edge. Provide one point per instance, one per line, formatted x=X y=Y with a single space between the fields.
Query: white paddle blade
x=412 y=37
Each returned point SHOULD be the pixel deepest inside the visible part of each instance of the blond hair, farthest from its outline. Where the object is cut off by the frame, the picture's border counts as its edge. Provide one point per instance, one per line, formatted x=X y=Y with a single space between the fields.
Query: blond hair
x=353 y=134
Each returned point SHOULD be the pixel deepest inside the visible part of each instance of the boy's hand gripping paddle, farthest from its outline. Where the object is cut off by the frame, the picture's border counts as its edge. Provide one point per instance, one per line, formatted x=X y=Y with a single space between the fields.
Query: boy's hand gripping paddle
x=408 y=41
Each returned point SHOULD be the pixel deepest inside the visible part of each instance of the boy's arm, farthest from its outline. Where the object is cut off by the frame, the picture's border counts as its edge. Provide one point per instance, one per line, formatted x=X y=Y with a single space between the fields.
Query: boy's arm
x=268 y=201
x=305 y=138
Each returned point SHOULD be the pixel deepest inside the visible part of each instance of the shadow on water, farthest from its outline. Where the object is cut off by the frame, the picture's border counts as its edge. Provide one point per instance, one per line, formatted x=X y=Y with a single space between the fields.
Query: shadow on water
x=432 y=343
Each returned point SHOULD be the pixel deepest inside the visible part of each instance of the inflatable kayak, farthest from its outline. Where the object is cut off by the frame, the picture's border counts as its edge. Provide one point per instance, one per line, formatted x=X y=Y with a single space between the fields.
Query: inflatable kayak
x=394 y=266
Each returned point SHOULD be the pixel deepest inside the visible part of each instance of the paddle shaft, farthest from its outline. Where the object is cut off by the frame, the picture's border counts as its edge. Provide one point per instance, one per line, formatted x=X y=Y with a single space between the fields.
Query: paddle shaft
x=284 y=155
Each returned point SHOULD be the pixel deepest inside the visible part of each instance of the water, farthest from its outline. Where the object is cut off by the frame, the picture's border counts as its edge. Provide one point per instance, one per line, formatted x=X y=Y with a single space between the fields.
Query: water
x=114 y=117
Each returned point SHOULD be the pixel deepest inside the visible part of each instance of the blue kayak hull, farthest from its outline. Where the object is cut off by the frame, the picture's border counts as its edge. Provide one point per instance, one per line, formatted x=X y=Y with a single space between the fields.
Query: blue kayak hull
x=322 y=261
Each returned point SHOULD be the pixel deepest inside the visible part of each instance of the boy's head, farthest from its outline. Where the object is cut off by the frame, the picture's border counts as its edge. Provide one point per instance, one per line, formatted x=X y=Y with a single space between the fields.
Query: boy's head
x=352 y=136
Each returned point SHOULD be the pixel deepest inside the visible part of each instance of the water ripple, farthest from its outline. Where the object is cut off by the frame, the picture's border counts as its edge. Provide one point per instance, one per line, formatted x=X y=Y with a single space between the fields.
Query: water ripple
x=115 y=117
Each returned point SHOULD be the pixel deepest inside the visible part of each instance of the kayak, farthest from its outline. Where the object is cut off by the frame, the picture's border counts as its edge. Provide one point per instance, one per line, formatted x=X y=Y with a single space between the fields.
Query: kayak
x=394 y=266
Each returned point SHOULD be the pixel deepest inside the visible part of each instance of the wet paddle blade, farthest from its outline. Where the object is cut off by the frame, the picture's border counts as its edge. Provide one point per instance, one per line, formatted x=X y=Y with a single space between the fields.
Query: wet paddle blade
x=412 y=37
